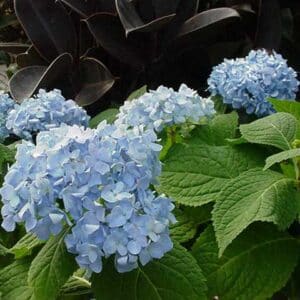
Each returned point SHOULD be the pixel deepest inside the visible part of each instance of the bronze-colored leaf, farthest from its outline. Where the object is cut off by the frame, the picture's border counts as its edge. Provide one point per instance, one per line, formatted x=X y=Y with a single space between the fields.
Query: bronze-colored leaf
x=97 y=80
x=14 y=48
x=30 y=58
x=207 y=21
x=133 y=23
x=108 y=31
x=48 y=26
x=27 y=81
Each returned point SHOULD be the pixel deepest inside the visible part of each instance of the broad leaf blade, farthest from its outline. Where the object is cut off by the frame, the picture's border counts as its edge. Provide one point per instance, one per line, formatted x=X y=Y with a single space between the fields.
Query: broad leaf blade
x=194 y=174
x=253 y=196
x=174 y=277
x=132 y=22
x=277 y=130
x=25 y=245
x=259 y=262
x=281 y=156
x=51 y=268
x=13 y=281
x=48 y=26
x=97 y=80
x=109 y=115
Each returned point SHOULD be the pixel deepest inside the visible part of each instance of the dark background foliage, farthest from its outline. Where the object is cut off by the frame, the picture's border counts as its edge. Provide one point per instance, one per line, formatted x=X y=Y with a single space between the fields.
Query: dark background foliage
x=99 y=51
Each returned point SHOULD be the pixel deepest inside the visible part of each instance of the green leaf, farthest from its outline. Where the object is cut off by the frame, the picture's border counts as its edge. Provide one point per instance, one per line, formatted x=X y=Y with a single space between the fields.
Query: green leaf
x=25 y=245
x=256 y=265
x=51 y=268
x=217 y=131
x=291 y=107
x=219 y=105
x=174 y=277
x=184 y=229
x=13 y=281
x=109 y=115
x=7 y=157
x=277 y=130
x=279 y=157
x=138 y=93
x=255 y=195
x=76 y=285
x=194 y=174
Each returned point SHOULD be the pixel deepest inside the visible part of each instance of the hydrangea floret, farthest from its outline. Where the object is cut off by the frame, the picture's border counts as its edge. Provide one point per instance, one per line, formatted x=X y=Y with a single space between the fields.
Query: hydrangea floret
x=248 y=82
x=165 y=107
x=44 y=111
x=6 y=105
x=97 y=181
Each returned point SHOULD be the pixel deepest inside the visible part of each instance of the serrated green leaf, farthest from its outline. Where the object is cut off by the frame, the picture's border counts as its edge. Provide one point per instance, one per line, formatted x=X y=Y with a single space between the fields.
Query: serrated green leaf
x=51 y=268
x=25 y=245
x=219 y=105
x=277 y=130
x=174 y=277
x=138 y=93
x=255 y=195
x=109 y=115
x=13 y=281
x=256 y=265
x=194 y=174
x=184 y=229
x=7 y=157
x=279 y=157
x=291 y=107
x=76 y=285
x=217 y=131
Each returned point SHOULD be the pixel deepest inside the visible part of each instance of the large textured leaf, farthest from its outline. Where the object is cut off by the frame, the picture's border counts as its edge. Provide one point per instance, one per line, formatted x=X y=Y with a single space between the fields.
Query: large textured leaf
x=48 y=26
x=109 y=115
x=13 y=281
x=25 y=245
x=287 y=106
x=174 y=277
x=217 y=131
x=194 y=174
x=108 y=31
x=51 y=268
x=255 y=195
x=205 y=22
x=97 y=80
x=27 y=81
x=281 y=156
x=7 y=157
x=277 y=130
x=184 y=229
x=255 y=266
x=133 y=23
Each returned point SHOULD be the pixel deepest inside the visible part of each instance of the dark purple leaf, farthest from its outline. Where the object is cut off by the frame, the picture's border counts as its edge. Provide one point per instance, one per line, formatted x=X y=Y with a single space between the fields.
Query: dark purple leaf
x=164 y=7
x=97 y=80
x=87 y=8
x=269 y=29
x=27 y=81
x=48 y=26
x=133 y=23
x=207 y=21
x=84 y=8
x=108 y=31
x=30 y=58
x=14 y=48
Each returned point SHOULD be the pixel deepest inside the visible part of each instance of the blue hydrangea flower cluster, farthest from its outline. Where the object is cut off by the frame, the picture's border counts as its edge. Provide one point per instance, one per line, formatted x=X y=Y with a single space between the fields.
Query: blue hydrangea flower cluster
x=165 y=107
x=97 y=181
x=44 y=111
x=6 y=105
x=248 y=82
